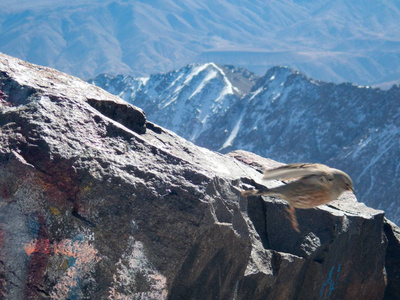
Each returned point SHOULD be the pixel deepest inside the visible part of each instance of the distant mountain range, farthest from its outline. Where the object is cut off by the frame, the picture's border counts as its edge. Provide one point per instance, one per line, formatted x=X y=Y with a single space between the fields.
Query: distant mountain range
x=331 y=40
x=283 y=115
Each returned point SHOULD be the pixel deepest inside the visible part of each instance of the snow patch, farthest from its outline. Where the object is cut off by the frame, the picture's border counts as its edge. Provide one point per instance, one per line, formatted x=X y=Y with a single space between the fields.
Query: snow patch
x=175 y=81
x=196 y=71
x=233 y=135
x=143 y=80
x=229 y=88
x=385 y=145
x=276 y=97
x=207 y=79
x=169 y=102
x=258 y=91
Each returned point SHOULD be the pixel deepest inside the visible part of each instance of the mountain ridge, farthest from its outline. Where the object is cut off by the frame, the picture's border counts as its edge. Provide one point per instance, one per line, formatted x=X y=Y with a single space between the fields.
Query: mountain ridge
x=331 y=40
x=291 y=117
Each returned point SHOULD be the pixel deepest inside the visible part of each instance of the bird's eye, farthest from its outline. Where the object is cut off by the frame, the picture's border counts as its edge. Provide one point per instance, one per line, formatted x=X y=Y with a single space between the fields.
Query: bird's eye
x=330 y=179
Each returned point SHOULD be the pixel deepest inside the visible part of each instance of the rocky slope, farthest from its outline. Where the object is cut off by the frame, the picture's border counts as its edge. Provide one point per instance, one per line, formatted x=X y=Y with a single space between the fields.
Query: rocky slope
x=98 y=202
x=288 y=117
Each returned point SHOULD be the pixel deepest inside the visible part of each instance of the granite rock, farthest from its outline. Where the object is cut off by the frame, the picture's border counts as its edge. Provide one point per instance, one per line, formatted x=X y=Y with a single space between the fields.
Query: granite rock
x=97 y=202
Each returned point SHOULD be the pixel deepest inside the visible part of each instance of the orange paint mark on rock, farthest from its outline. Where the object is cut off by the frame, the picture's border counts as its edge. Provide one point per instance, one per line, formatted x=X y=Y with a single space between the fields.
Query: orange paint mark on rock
x=78 y=249
x=38 y=246
x=30 y=247
x=85 y=255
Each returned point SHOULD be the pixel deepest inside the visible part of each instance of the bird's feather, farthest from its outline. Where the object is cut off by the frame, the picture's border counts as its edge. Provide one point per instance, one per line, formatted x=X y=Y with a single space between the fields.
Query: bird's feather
x=295 y=170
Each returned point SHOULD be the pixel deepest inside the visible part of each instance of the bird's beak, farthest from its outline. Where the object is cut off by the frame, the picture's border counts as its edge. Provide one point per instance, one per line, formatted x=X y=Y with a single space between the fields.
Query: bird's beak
x=352 y=190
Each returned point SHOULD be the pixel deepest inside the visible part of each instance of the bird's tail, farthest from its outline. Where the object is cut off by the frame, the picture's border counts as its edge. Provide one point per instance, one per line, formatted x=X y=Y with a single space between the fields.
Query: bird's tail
x=255 y=192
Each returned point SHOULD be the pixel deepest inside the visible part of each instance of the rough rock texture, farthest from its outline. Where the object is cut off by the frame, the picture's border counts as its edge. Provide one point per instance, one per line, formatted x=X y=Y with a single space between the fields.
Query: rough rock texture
x=392 y=260
x=96 y=203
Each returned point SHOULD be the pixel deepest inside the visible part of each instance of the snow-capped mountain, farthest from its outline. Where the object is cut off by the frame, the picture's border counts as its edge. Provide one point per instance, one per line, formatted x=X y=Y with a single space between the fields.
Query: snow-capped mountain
x=185 y=100
x=292 y=118
x=284 y=116
x=332 y=40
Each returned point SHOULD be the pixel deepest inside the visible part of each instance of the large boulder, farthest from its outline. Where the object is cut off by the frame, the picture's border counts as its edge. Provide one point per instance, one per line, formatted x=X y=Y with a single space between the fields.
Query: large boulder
x=97 y=202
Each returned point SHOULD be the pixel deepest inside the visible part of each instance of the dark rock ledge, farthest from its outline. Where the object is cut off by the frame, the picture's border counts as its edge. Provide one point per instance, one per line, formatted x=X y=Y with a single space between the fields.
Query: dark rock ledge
x=97 y=203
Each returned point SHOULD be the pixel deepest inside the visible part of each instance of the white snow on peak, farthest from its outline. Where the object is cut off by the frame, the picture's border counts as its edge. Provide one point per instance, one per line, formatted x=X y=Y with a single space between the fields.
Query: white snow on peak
x=175 y=82
x=196 y=71
x=144 y=80
x=210 y=76
x=229 y=89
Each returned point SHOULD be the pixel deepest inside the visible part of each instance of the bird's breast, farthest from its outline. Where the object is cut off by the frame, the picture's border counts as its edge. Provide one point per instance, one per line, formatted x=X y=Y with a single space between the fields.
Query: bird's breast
x=310 y=199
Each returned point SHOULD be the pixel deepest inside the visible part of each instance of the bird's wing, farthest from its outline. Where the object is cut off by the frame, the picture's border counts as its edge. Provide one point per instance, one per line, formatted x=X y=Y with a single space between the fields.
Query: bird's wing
x=295 y=170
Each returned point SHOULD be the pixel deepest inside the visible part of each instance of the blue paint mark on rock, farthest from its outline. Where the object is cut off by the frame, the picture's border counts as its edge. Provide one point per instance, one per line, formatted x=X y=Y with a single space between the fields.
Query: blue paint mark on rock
x=33 y=226
x=71 y=261
x=330 y=283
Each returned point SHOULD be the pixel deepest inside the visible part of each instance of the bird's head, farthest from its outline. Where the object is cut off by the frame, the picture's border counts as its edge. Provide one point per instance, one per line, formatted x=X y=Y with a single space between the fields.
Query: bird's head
x=343 y=181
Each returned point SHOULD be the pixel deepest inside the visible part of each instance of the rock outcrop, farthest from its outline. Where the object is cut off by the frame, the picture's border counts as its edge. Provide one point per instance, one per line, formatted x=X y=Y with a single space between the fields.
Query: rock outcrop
x=97 y=202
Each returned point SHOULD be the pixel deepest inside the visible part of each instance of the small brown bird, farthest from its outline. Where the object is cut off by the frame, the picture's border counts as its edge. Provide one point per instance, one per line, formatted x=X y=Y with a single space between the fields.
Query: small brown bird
x=318 y=184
